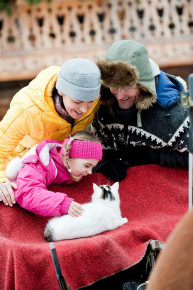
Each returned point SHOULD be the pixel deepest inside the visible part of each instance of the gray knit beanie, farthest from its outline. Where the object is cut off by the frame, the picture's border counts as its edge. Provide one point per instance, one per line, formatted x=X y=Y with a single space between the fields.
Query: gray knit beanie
x=79 y=78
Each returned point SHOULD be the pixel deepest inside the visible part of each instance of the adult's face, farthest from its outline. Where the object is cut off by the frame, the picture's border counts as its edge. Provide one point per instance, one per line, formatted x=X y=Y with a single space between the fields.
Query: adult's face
x=75 y=108
x=126 y=97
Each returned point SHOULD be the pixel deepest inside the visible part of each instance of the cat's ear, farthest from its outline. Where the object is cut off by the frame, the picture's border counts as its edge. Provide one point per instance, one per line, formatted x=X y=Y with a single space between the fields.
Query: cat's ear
x=95 y=187
x=115 y=186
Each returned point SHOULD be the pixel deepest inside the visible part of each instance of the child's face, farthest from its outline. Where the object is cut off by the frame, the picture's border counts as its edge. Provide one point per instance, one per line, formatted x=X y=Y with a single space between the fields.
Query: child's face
x=81 y=167
x=75 y=108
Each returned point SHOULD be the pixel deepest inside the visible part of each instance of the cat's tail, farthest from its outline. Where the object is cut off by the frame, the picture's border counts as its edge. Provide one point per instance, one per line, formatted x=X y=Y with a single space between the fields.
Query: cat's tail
x=48 y=234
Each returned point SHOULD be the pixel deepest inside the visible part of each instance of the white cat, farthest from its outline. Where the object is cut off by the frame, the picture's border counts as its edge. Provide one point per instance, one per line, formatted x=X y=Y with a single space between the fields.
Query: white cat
x=101 y=214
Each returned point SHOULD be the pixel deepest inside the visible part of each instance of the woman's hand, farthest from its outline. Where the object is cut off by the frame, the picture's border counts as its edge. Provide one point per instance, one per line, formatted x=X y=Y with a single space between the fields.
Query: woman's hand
x=6 y=193
x=75 y=209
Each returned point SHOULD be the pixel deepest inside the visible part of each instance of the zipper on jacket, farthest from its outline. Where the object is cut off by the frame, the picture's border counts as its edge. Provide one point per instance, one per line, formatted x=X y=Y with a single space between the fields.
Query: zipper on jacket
x=25 y=148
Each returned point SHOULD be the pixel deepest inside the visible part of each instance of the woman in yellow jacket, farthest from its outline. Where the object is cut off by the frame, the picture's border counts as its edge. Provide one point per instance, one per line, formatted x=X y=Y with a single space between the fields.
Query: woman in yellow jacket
x=58 y=102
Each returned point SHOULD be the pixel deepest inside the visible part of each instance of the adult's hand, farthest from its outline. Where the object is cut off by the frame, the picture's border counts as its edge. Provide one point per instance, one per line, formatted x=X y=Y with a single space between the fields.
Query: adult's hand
x=6 y=193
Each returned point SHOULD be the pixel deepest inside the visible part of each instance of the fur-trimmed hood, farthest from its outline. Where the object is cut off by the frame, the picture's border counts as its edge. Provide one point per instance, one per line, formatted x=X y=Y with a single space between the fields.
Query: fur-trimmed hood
x=126 y=64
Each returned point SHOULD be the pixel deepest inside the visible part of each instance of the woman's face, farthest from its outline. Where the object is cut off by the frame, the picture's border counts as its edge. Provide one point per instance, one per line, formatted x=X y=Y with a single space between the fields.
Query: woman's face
x=75 y=108
x=81 y=167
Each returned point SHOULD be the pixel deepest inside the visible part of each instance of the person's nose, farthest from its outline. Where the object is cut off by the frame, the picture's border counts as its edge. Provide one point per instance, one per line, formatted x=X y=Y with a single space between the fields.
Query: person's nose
x=89 y=171
x=84 y=108
x=119 y=94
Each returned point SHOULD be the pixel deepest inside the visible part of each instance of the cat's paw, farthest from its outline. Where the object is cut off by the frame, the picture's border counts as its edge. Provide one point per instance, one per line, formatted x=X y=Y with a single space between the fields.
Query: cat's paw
x=48 y=234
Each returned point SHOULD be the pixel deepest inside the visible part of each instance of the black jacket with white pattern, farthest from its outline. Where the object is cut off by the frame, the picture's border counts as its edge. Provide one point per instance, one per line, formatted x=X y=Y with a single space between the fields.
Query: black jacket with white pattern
x=158 y=134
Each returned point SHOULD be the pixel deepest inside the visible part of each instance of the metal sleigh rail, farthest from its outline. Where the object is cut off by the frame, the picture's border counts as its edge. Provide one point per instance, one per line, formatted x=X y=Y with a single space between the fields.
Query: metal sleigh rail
x=61 y=280
x=187 y=103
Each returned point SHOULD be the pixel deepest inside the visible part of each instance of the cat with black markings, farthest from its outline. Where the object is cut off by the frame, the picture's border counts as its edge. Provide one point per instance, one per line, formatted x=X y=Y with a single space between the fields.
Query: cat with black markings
x=101 y=214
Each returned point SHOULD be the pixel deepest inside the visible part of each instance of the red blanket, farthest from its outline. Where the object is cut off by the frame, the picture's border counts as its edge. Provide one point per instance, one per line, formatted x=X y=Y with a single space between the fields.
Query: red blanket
x=153 y=199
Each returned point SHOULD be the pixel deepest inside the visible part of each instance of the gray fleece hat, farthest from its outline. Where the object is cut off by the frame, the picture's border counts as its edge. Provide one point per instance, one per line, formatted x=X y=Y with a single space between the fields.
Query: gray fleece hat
x=79 y=78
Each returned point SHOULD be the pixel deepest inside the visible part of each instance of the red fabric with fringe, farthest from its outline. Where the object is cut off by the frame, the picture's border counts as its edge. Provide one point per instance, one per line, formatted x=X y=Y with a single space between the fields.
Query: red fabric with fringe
x=153 y=198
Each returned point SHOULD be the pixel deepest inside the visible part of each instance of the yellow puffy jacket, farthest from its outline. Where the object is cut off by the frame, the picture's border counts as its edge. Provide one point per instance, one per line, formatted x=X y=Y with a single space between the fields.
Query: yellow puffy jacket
x=32 y=118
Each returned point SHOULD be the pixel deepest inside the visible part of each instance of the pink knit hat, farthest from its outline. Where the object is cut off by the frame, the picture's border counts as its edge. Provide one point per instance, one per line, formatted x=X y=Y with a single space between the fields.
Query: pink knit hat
x=85 y=149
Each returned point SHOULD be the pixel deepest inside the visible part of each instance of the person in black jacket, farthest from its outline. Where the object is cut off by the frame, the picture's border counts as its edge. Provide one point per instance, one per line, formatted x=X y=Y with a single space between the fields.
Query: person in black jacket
x=141 y=120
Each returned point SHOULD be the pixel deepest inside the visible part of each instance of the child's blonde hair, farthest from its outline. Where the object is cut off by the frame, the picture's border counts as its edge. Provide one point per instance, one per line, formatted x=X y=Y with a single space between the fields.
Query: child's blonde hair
x=81 y=136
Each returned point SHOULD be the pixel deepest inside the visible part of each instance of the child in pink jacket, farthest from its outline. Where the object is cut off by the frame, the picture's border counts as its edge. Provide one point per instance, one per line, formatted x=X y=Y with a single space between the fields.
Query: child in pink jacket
x=53 y=162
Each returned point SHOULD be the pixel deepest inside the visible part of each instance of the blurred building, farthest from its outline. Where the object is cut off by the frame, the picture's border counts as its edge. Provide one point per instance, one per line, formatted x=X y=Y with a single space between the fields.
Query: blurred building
x=37 y=36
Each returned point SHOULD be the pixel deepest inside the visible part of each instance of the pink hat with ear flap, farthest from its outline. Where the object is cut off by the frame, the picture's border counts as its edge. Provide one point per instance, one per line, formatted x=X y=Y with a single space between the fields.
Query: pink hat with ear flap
x=85 y=149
